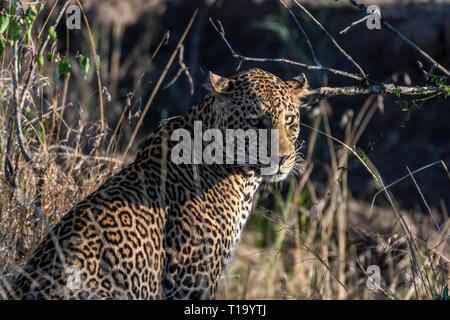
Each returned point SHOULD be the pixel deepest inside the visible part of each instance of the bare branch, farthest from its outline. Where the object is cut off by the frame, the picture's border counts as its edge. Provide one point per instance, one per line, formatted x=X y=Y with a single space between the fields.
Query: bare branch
x=18 y=111
x=349 y=58
x=423 y=199
x=388 y=88
x=242 y=58
x=158 y=84
x=386 y=292
x=183 y=69
x=363 y=8
x=97 y=72
x=33 y=62
x=354 y=23
x=304 y=33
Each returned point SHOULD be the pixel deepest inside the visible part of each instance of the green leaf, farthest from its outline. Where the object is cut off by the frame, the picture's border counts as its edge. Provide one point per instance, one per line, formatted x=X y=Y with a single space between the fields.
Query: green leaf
x=28 y=35
x=40 y=60
x=26 y=134
x=2 y=48
x=60 y=118
x=397 y=91
x=4 y=21
x=52 y=33
x=363 y=156
x=49 y=56
x=31 y=14
x=14 y=30
x=40 y=134
x=40 y=131
x=64 y=66
x=12 y=10
x=31 y=112
x=85 y=65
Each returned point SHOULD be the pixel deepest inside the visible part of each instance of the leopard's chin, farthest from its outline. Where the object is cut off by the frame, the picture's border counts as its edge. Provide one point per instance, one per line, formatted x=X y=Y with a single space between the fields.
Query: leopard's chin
x=275 y=177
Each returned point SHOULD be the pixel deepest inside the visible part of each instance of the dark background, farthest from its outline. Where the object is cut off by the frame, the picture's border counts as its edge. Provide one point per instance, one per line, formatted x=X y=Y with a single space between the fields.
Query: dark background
x=132 y=30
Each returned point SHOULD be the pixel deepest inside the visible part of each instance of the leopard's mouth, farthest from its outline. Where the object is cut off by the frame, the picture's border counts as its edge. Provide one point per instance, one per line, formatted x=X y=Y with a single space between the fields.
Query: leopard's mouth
x=296 y=167
x=275 y=173
x=275 y=177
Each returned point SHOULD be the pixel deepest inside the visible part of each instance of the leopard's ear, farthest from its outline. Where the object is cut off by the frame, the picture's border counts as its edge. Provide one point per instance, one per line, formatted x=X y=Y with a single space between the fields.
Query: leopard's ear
x=219 y=84
x=298 y=85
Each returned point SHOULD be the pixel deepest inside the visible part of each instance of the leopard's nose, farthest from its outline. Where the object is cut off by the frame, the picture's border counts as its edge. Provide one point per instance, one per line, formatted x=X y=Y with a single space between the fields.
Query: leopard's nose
x=283 y=159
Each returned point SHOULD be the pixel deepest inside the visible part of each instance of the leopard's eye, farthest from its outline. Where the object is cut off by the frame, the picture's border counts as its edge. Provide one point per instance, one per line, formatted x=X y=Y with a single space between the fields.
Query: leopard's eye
x=254 y=122
x=288 y=120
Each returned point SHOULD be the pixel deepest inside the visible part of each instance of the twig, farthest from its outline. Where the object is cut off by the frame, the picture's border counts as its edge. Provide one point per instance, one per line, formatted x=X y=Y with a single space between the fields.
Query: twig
x=66 y=82
x=304 y=34
x=388 y=88
x=158 y=84
x=97 y=70
x=71 y=152
x=344 y=31
x=403 y=178
x=386 y=292
x=163 y=41
x=33 y=62
x=40 y=117
x=423 y=199
x=349 y=58
x=20 y=198
x=183 y=68
x=17 y=112
x=346 y=146
x=242 y=58
x=430 y=72
x=19 y=104
x=363 y=8
x=48 y=18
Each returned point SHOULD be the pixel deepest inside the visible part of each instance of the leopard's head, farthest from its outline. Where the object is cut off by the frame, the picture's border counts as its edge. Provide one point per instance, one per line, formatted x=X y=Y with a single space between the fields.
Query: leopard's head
x=256 y=99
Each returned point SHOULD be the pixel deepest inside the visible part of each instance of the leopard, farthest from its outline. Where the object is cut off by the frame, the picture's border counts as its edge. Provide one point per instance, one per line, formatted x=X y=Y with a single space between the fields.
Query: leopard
x=157 y=229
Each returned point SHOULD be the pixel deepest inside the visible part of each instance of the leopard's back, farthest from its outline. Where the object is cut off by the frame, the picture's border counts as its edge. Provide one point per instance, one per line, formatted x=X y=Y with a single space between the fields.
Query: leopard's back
x=109 y=246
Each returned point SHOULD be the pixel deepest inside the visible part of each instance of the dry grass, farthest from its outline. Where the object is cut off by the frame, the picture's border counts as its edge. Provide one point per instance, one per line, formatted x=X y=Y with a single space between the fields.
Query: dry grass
x=304 y=241
x=319 y=244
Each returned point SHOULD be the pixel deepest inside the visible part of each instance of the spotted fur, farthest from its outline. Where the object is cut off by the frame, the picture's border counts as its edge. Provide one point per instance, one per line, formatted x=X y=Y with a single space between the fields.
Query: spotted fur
x=160 y=230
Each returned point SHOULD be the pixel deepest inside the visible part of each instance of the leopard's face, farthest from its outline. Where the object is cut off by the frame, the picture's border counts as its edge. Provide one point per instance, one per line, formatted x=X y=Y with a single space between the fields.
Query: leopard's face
x=257 y=100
